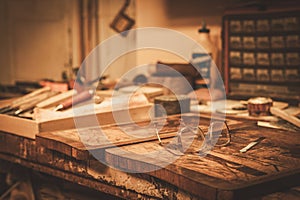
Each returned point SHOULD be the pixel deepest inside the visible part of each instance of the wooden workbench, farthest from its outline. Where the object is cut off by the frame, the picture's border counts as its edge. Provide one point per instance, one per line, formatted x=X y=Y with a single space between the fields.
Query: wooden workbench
x=225 y=173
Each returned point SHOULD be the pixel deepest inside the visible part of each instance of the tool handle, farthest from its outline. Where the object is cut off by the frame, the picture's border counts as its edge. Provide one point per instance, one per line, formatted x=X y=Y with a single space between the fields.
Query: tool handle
x=83 y=96
x=249 y=146
x=29 y=96
x=36 y=100
x=56 y=99
x=252 y=144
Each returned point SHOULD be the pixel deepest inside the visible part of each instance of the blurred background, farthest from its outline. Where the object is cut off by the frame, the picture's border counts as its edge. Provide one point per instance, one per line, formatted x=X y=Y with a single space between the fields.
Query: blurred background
x=43 y=38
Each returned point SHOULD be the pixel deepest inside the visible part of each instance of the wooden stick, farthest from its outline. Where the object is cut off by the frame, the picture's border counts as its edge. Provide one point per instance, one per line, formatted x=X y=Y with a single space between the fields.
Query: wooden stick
x=285 y=116
x=53 y=101
x=29 y=105
x=28 y=97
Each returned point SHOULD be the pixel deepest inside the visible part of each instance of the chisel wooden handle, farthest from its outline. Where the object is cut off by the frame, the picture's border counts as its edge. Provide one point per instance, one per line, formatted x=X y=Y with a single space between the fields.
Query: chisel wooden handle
x=53 y=101
x=29 y=96
x=24 y=99
x=29 y=105
x=83 y=96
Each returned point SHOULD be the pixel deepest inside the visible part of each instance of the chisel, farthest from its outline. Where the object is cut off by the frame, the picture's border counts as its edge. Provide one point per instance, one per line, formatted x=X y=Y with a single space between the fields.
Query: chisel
x=53 y=101
x=78 y=98
x=251 y=144
x=29 y=105
x=24 y=99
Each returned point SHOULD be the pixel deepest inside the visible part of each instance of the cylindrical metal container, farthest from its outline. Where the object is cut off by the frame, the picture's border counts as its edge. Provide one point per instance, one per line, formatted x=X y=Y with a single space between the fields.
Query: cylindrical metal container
x=171 y=104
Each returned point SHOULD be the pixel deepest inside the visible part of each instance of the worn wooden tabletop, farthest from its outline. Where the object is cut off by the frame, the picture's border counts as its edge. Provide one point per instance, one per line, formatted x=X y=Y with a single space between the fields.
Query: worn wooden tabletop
x=224 y=173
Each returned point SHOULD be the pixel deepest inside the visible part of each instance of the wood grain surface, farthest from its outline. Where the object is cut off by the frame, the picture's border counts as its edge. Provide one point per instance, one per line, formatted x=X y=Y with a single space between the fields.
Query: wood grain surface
x=271 y=164
x=78 y=142
x=225 y=173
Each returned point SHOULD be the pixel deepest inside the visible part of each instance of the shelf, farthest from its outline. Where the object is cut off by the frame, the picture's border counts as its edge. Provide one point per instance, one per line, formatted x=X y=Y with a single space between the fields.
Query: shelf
x=270 y=33
x=264 y=66
x=271 y=62
x=267 y=50
x=283 y=82
x=279 y=97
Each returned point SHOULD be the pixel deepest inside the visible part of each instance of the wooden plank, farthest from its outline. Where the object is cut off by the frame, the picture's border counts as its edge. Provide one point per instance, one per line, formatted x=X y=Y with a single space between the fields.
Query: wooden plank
x=19 y=126
x=77 y=178
x=103 y=118
x=11 y=144
x=18 y=146
x=69 y=141
x=30 y=128
x=285 y=116
x=96 y=175
x=224 y=170
x=242 y=161
x=216 y=177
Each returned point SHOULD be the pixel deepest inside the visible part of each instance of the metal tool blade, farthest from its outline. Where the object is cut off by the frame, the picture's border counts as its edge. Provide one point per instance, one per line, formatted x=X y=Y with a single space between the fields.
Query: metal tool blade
x=251 y=144
x=6 y=110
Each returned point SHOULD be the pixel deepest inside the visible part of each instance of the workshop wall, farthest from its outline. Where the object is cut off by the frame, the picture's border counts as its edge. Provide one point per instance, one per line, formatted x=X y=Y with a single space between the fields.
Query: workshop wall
x=36 y=39
x=183 y=16
x=40 y=39
x=108 y=10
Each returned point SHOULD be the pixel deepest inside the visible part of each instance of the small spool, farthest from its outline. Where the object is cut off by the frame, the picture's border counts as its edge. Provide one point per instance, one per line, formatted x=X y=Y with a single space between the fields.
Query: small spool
x=172 y=104
x=259 y=106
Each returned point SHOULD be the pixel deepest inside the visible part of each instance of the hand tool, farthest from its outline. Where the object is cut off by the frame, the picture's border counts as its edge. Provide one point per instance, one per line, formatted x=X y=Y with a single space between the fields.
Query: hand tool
x=24 y=99
x=83 y=96
x=53 y=101
x=251 y=144
x=29 y=105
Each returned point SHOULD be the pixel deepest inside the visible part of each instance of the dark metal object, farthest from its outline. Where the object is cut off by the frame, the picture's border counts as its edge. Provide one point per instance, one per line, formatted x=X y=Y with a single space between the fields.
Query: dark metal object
x=122 y=22
x=6 y=109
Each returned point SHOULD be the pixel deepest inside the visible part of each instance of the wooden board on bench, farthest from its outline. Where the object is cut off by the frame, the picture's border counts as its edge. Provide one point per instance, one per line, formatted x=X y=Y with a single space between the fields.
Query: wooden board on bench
x=70 y=142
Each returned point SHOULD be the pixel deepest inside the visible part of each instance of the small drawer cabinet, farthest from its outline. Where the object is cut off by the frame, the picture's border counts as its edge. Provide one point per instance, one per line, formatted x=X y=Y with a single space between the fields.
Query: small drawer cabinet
x=261 y=52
